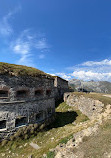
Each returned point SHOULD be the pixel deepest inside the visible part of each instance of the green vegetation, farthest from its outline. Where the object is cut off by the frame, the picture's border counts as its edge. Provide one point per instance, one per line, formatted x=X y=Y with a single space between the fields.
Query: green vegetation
x=66 y=139
x=19 y=70
x=50 y=154
x=59 y=132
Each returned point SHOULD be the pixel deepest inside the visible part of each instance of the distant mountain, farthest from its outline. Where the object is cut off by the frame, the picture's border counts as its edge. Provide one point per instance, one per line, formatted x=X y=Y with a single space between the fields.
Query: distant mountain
x=94 y=86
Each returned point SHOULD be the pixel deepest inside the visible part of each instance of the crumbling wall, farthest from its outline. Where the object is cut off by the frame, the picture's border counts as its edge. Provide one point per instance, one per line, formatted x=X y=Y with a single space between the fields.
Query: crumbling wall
x=61 y=86
x=87 y=106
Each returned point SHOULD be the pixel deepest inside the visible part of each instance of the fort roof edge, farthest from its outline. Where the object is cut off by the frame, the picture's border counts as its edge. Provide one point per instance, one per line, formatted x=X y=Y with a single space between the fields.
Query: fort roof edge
x=21 y=70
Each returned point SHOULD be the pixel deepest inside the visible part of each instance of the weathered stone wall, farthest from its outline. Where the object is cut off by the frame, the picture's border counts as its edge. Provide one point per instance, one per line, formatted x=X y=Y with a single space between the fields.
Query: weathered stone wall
x=61 y=86
x=88 y=106
x=30 y=84
x=60 y=83
x=25 y=100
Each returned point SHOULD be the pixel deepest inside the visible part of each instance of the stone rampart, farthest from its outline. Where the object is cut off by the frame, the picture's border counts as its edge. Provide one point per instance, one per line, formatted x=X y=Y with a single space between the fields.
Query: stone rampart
x=88 y=106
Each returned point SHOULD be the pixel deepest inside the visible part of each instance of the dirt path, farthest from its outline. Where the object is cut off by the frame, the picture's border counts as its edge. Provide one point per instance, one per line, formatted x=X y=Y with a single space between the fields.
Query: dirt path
x=107 y=95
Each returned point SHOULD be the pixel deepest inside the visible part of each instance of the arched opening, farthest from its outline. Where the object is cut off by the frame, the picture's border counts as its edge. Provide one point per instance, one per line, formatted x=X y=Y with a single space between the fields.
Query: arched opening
x=21 y=93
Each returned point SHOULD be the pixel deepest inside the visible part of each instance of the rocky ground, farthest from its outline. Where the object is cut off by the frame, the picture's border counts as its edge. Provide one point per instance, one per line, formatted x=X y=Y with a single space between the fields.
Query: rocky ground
x=91 y=142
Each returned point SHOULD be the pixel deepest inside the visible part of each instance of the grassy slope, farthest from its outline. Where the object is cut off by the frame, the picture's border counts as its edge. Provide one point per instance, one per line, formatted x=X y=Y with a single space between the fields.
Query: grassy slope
x=19 y=70
x=56 y=133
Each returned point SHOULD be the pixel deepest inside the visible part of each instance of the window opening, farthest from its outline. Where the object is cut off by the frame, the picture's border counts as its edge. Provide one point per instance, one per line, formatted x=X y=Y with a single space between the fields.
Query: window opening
x=3 y=93
x=20 y=121
x=39 y=116
x=48 y=92
x=38 y=92
x=2 y=124
x=21 y=93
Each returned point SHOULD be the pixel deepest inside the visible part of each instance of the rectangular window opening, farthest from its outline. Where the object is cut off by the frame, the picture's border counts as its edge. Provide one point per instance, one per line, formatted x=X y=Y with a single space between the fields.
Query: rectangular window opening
x=3 y=124
x=39 y=116
x=49 y=111
x=22 y=93
x=3 y=93
x=38 y=92
x=48 y=92
x=20 y=121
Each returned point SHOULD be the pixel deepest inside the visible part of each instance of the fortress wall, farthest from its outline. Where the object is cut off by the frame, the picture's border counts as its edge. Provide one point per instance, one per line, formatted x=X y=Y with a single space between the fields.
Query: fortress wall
x=28 y=84
x=25 y=100
x=61 y=86
x=16 y=114
x=60 y=83
x=88 y=106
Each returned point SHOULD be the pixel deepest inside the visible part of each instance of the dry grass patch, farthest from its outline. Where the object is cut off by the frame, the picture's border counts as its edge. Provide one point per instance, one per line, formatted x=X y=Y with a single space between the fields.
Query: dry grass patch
x=97 y=145
x=19 y=70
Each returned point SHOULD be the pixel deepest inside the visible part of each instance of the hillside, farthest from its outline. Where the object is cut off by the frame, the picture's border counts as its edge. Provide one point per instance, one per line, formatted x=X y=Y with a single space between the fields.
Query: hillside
x=20 y=70
x=94 y=86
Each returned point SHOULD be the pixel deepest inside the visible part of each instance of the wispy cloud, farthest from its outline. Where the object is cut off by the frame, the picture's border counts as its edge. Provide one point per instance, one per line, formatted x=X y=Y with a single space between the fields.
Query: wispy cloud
x=27 y=46
x=5 y=26
x=24 y=45
x=41 y=56
x=63 y=75
x=42 y=44
x=95 y=63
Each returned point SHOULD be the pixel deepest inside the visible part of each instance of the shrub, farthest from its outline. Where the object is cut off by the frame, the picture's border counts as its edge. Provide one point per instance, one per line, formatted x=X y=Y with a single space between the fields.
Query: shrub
x=50 y=154
x=65 y=140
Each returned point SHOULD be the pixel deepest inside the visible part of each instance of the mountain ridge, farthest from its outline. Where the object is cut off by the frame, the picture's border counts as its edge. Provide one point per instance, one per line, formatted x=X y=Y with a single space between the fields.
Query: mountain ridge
x=93 y=86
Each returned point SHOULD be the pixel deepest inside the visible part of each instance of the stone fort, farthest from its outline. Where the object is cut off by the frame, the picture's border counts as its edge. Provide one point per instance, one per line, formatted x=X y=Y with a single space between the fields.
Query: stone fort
x=27 y=96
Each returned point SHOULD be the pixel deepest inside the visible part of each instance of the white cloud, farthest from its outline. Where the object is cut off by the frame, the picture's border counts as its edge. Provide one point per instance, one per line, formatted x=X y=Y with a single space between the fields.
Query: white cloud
x=92 y=70
x=5 y=27
x=24 y=45
x=21 y=48
x=27 y=42
x=97 y=63
x=89 y=75
x=42 y=44
x=62 y=75
x=41 y=56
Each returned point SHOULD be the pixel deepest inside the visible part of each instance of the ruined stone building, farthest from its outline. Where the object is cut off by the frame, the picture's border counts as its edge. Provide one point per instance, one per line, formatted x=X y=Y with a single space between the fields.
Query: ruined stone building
x=61 y=86
x=27 y=95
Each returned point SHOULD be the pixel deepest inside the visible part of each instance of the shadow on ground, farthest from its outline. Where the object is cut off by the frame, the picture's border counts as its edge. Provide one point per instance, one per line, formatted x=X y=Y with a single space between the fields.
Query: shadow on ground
x=58 y=102
x=63 y=118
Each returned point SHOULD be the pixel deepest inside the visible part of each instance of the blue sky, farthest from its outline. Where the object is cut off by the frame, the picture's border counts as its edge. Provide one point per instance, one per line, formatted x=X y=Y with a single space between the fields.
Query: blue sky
x=69 y=38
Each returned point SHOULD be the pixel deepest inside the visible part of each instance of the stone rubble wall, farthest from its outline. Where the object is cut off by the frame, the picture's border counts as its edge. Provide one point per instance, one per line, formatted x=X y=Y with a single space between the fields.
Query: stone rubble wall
x=87 y=106
x=66 y=150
